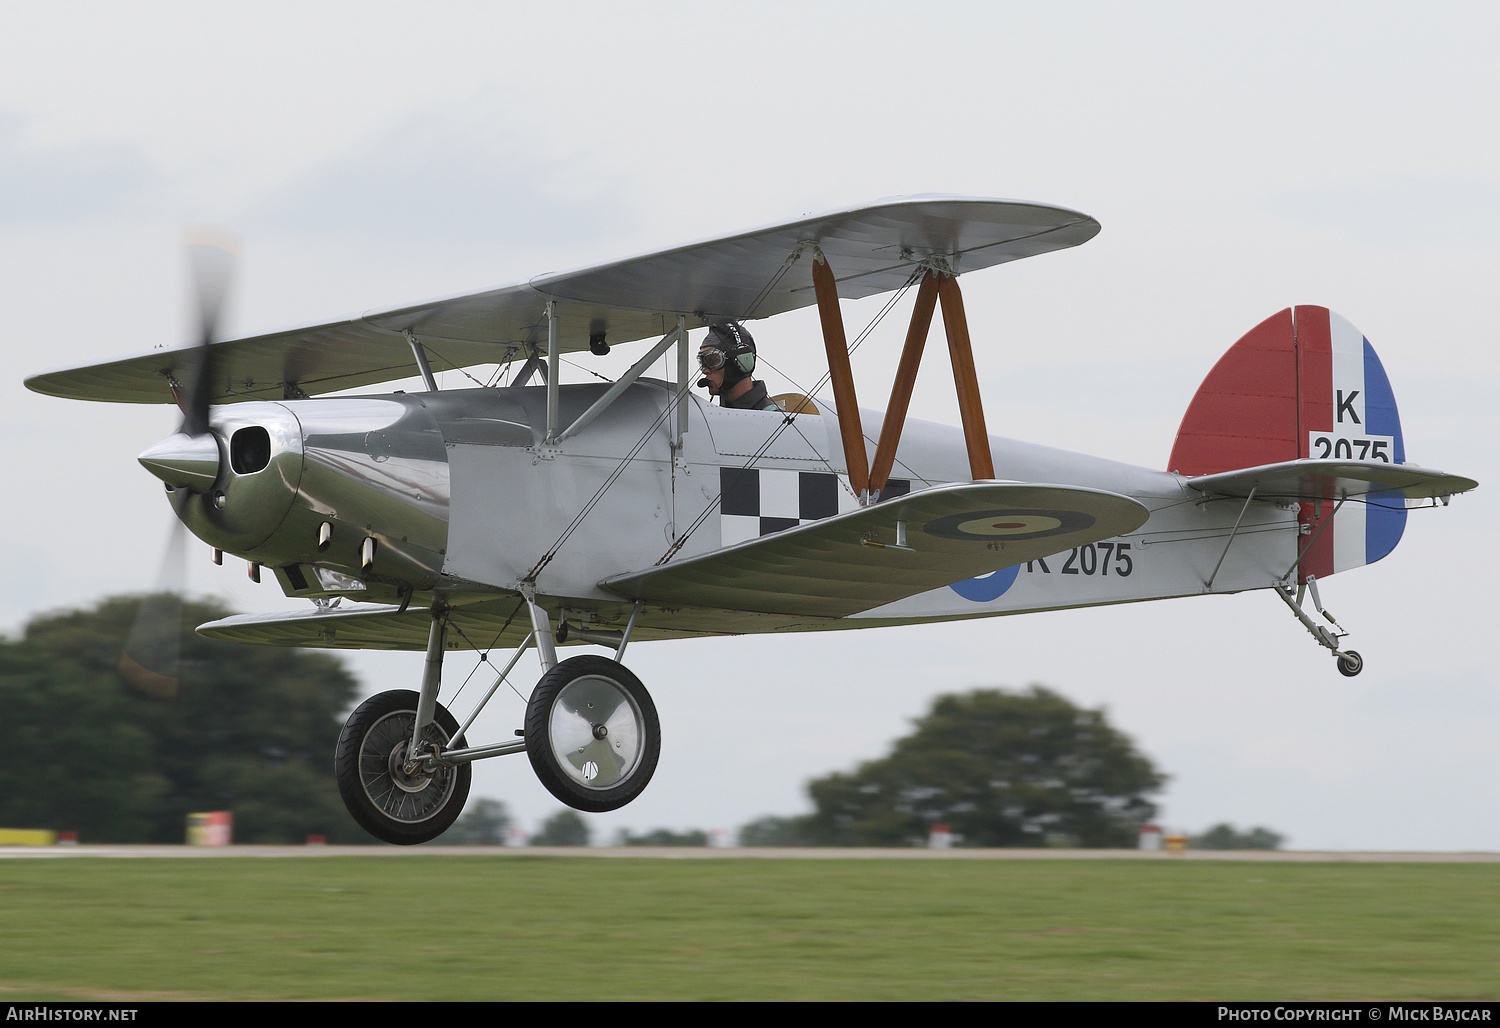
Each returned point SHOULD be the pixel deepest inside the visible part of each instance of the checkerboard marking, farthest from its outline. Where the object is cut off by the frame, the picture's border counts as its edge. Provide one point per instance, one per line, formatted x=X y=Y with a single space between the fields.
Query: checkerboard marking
x=758 y=501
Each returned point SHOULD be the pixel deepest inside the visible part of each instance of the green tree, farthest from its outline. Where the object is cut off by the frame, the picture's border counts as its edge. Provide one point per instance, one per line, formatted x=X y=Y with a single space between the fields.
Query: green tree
x=1225 y=836
x=484 y=823
x=1001 y=769
x=565 y=828
x=664 y=837
x=776 y=831
x=251 y=730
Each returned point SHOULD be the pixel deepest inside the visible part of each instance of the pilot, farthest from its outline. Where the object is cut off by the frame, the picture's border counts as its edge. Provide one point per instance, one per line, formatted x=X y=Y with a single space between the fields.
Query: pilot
x=727 y=357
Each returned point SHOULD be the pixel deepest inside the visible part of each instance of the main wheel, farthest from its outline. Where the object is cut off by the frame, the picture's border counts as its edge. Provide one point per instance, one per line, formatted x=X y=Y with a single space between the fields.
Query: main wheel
x=592 y=734
x=1350 y=663
x=387 y=801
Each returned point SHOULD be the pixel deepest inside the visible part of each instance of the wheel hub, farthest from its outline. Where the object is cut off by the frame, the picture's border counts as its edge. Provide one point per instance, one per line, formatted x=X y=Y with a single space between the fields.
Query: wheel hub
x=596 y=732
x=407 y=775
x=404 y=786
x=398 y=792
x=592 y=733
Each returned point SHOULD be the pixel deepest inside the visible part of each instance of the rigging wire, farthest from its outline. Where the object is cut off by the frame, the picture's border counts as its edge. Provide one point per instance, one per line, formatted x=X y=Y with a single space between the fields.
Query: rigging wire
x=590 y=371
x=787 y=420
x=667 y=412
x=679 y=395
x=670 y=409
x=776 y=277
x=462 y=370
x=484 y=654
x=879 y=317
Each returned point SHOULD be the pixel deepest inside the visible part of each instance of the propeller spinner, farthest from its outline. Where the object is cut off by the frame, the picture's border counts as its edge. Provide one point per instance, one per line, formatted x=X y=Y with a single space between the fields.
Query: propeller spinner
x=188 y=459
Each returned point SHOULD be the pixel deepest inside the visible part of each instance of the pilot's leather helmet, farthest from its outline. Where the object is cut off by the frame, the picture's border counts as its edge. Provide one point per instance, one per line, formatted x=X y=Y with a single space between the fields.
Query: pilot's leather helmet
x=733 y=340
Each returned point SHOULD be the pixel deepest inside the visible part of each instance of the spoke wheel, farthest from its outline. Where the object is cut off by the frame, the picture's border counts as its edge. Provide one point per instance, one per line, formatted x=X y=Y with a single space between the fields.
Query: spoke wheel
x=592 y=733
x=391 y=801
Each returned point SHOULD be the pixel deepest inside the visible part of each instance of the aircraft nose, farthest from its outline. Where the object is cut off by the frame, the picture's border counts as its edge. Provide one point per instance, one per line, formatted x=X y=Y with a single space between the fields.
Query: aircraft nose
x=182 y=461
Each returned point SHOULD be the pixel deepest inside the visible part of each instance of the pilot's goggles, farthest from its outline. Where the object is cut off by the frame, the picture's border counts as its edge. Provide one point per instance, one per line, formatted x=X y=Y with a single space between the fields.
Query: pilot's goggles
x=711 y=359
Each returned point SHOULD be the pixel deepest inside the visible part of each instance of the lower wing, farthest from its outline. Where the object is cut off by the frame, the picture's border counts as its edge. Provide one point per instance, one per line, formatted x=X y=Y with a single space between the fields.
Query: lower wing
x=925 y=540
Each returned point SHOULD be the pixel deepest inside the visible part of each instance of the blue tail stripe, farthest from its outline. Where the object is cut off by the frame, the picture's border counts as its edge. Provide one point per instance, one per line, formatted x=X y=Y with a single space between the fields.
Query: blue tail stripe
x=1380 y=403
x=1385 y=516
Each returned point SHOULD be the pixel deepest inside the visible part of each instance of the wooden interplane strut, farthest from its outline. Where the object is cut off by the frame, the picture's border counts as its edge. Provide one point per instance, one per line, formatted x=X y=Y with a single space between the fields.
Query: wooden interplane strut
x=906 y=379
x=935 y=287
x=842 y=377
x=965 y=379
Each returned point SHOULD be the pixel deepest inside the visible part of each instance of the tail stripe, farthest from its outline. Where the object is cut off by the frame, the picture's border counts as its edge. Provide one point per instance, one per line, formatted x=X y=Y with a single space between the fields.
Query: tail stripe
x=1385 y=515
x=1303 y=383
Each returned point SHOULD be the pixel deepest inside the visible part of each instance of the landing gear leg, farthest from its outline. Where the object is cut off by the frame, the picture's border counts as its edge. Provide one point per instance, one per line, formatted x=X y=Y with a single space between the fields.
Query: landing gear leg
x=592 y=733
x=1350 y=663
x=387 y=762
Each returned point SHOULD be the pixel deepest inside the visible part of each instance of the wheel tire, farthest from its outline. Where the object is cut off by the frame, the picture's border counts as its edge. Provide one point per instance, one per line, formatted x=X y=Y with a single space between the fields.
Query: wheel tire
x=388 y=804
x=572 y=702
x=1351 y=663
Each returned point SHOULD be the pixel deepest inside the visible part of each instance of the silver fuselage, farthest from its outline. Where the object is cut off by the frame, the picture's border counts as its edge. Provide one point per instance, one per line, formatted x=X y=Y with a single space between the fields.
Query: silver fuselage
x=396 y=496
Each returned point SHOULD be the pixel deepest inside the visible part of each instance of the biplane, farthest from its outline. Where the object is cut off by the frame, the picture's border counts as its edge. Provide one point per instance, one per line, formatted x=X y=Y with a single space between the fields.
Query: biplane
x=526 y=514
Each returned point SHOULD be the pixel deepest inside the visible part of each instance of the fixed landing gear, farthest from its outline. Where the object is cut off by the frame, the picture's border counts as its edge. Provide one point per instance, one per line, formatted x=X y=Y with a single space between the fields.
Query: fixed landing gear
x=1350 y=663
x=398 y=793
x=591 y=733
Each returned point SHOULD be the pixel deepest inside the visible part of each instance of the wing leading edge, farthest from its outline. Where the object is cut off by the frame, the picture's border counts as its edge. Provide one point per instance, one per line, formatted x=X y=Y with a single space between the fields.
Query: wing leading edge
x=852 y=562
x=872 y=248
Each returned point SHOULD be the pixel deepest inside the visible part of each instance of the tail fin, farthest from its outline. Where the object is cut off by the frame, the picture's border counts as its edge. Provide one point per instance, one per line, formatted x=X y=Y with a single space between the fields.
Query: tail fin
x=1303 y=383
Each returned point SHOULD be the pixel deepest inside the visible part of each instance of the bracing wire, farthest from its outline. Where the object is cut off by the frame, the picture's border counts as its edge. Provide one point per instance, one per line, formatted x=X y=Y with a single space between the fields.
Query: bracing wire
x=679 y=395
x=668 y=411
x=786 y=421
x=671 y=408
x=484 y=653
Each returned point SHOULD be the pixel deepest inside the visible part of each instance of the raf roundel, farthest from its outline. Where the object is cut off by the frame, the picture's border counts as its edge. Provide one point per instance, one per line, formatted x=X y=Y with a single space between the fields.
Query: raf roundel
x=1009 y=524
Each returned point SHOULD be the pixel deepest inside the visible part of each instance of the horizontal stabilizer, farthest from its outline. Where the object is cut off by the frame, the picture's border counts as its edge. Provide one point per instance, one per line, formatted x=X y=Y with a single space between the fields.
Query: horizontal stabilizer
x=1311 y=479
x=852 y=562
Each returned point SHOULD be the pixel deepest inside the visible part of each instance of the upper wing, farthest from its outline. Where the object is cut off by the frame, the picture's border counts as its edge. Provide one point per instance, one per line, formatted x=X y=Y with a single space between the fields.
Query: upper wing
x=845 y=564
x=872 y=249
x=1332 y=480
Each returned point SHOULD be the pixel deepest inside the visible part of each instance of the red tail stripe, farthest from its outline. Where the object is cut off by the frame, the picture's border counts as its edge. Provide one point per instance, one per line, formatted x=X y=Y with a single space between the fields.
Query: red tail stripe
x=1245 y=412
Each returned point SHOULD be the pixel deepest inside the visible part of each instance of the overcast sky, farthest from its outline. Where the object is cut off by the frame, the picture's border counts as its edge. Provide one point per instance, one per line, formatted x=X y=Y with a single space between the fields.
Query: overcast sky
x=1241 y=158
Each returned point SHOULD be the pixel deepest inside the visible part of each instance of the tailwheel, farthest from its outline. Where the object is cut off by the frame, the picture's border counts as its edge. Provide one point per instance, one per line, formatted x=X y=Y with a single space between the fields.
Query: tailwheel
x=394 y=797
x=1350 y=663
x=592 y=733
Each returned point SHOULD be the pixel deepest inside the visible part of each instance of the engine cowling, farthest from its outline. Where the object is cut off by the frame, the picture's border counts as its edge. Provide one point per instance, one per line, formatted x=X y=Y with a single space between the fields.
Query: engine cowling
x=344 y=496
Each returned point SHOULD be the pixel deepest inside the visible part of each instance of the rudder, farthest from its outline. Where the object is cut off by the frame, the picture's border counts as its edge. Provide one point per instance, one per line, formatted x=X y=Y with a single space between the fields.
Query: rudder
x=1303 y=383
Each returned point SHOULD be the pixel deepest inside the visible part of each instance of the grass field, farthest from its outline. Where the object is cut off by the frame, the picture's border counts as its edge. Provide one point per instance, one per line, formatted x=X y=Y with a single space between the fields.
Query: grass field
x=522 y=927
